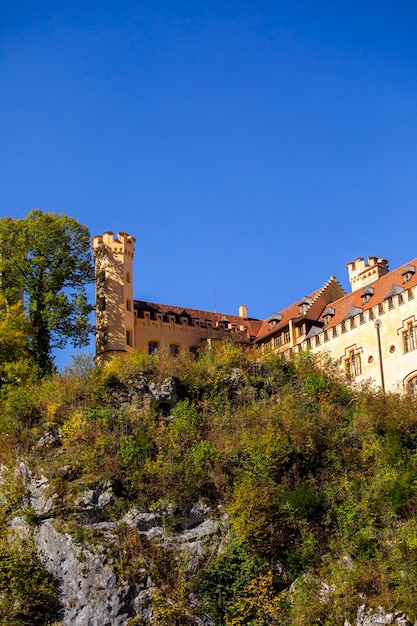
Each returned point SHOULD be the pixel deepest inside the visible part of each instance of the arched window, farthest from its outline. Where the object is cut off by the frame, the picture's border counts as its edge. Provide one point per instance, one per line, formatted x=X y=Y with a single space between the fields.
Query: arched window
x=411 y=385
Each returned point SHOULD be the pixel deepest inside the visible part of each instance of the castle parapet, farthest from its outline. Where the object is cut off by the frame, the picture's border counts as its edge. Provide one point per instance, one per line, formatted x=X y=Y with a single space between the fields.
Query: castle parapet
x=362 y=273
x=122 y=244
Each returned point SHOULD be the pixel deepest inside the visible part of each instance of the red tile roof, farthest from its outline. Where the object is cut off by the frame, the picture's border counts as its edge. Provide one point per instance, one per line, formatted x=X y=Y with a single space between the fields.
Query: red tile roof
x=292 y=312
x=381 y=289
x=251 y=325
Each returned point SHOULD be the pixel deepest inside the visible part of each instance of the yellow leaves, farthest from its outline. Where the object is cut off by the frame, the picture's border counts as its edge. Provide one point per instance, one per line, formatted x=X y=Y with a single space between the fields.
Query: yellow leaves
x=252 y=509
x=76 y=428
x=259 y=605
x=52 y=409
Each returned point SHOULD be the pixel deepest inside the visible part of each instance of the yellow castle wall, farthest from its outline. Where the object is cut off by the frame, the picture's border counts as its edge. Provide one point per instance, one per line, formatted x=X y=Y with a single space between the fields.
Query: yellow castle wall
x=397 y=364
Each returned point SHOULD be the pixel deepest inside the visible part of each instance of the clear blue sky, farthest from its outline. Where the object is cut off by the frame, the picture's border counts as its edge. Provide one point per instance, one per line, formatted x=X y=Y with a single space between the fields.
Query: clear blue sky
x=252 y=148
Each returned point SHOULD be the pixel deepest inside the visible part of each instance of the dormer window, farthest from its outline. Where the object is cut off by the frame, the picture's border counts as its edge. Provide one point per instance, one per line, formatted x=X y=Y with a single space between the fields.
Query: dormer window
x=224 y=322
x=304 y=304
x=354 y=310
x=367 y=294
x=408 y=273
x=328 y=314
x=274 y=320
x=395 y=290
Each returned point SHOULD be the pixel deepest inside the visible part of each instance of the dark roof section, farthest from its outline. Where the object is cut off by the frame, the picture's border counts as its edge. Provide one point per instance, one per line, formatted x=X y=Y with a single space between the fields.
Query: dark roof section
x=394 y=291
x=354 y=310
x=409 y=269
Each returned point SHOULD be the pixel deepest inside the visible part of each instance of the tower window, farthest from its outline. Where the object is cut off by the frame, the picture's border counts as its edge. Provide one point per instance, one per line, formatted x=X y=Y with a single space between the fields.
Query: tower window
x=128 y=277
x=129 y=337
x=128 y=305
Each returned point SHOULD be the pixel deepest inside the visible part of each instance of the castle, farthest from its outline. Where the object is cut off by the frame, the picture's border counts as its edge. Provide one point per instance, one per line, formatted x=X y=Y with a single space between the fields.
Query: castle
x=372 y=331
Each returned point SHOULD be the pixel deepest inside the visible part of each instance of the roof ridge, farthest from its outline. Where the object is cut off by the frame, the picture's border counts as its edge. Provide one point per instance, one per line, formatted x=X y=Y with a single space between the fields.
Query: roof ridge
x=321 y=290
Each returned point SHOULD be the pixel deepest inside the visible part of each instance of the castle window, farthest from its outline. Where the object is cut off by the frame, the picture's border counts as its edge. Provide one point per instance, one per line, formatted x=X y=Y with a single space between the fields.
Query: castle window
x=128 y=277
x=334 y=331
x=412 y=386
x=128 y=305
x=152 y=347
x=317 y=340
x=129 y=337
x=361 y=318
x=390 y=303
x=381 y=310
x=343 y=326
x=304 y=304
x=400 y=298
x=328 y=314
x=287 y=337
x=408 y=273
x=326 y=335
x=174 y=349
x=366 y=294
x=353 y=364
x=300 y=330
x=278 y=341
x=410 y=294
x=410 y=337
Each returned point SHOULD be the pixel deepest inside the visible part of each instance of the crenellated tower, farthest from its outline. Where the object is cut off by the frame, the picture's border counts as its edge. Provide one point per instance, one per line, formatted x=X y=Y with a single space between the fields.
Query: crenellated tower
x=115 y=320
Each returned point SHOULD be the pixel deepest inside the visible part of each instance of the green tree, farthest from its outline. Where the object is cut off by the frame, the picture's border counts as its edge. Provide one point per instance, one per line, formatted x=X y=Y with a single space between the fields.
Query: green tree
x=28 y=592
x=46 y=258
x=16 y=361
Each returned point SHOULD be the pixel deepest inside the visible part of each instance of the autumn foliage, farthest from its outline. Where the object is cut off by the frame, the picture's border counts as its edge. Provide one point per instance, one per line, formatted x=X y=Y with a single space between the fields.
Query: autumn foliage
x=318 y=480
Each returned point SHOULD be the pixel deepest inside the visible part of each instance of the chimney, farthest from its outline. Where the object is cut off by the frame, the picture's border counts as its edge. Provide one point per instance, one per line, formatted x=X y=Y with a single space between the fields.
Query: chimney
x=243 y=312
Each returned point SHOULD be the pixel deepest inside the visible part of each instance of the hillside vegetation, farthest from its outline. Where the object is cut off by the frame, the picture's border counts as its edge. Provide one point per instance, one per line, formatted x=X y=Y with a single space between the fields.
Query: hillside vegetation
x=317 y=481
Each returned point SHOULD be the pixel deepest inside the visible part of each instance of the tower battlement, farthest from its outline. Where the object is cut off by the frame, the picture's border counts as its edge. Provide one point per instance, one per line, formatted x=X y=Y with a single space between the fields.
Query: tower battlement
x=122 y=244
x=362 y=273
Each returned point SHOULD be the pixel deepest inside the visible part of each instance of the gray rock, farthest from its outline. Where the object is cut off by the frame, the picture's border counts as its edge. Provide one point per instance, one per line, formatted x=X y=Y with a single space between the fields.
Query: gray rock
x=38 y=492
x=93 y=503
x=90 y=591
x=48 y=440
x=165 y=392
x=141 y=521
x=194 y=516
x=380 y=618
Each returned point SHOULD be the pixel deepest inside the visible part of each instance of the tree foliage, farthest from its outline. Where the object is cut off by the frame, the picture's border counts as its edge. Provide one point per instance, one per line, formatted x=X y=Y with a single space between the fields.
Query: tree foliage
x=45 y=258
x=16 y=361
x=28 y=592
